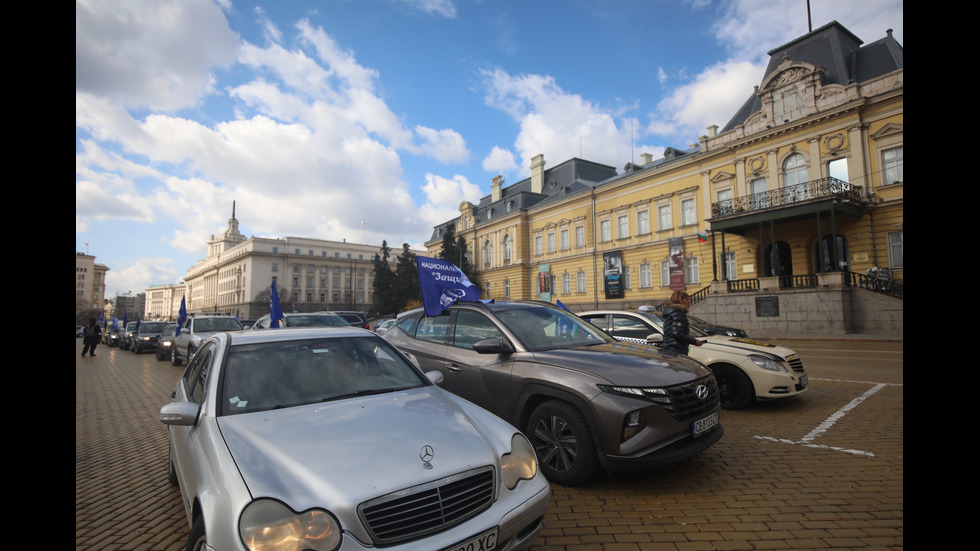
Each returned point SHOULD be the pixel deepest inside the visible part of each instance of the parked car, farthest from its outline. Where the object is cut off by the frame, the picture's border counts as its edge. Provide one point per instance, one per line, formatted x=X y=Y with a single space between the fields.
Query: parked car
x=381 y=326
x=126 y=337
x=745 y=369
x=79 y=331
x=112 y=337
x=196 y=330
x=165 y=344
x=147 y=336
x=702 y=324
x=303 y=320
x=714 y=328
x=275 y=439
x=585 y=400
x=355 y=319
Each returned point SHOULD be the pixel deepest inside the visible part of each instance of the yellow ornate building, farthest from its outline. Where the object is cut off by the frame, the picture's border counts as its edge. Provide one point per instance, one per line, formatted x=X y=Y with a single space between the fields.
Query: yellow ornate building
x=801 y=192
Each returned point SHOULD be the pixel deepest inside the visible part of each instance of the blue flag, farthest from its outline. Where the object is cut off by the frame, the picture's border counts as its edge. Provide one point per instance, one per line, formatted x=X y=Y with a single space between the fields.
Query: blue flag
x=182 y=314
x=562 y=306
x=275 y=308
x=115 y=323
x=443 y=284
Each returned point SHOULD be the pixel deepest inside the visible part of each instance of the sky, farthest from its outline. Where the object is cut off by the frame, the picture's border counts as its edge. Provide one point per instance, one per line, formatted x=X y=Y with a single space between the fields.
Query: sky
x=372 y=120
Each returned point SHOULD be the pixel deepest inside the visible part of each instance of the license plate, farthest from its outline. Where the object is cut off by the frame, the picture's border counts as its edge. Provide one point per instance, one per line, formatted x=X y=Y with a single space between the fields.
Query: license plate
x=486 y=541
x=705 y=424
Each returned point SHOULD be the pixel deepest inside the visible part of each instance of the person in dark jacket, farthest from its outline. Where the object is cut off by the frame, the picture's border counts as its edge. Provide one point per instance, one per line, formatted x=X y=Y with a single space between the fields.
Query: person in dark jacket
x=677 y=330
x=91 y=337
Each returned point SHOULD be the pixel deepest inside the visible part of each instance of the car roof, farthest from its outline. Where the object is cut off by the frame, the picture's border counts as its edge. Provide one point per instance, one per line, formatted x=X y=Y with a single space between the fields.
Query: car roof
x=495 y=306
x=295 y=334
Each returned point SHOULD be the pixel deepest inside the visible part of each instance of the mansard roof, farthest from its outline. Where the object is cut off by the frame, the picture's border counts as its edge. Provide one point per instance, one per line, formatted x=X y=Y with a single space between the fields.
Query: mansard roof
x=567 y=177
x=840 y=56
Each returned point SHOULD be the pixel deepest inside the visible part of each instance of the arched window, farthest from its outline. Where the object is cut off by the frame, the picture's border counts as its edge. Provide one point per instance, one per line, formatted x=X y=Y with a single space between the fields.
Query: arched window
x=487 y=250
x=506 y=249
x=794 y=170
x=794 y=179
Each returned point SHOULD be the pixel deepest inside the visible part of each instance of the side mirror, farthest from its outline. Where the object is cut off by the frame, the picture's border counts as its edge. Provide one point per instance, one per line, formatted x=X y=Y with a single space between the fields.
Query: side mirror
x=179 y=413
x=493 y=345
x=435 y=376
x=655 y=338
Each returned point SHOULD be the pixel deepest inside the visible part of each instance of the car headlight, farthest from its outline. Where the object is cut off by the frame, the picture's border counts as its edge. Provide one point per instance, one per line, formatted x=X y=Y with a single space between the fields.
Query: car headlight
x=766 y=363
x=731 y=332
x=268 y=525
x=520 y=463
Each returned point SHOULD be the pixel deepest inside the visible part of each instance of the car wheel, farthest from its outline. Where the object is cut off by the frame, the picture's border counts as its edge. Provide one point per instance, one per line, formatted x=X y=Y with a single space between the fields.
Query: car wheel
x=197 y=540
x=174 y=360
x=563 y=442
x=734 y=387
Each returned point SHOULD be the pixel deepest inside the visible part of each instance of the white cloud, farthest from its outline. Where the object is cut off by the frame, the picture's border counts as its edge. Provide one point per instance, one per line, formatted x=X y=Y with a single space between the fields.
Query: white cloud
x=443 y=8
x=313 y=151
x=711 y=98
x=150 y=54
x=556 y=123
x=499 y=160
x=136 y=274
x=444 y=195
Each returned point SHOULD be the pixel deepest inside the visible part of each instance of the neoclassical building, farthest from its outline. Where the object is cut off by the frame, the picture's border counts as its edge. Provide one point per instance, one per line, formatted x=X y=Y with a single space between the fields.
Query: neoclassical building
x=89 y=283
x=801 y=190
x=311 y=274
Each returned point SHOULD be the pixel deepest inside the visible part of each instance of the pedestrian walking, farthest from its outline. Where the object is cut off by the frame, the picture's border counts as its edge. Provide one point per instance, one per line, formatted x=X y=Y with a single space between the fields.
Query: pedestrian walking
x=92 y=337
x=677 y=330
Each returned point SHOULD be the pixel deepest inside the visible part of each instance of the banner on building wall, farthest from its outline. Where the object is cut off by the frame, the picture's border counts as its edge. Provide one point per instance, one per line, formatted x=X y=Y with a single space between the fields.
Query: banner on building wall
x=676 y=268
x=612 y=274
x=544 y=282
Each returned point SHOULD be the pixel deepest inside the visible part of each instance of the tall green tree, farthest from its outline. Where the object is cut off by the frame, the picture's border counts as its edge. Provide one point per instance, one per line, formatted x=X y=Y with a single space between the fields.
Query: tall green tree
x=454 y=249
x=407 y=291
x=385 y=302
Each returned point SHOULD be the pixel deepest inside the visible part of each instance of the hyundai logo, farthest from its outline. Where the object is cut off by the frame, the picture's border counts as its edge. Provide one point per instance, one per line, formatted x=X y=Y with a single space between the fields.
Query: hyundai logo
x=701 y=391
x=426 y=455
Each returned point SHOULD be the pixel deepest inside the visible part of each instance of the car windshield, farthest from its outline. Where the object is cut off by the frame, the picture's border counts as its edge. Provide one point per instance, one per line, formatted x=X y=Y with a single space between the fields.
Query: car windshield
x=217 y=324
x=316 y=321
x=659 y=322
x=540 y=328
x=274 y=375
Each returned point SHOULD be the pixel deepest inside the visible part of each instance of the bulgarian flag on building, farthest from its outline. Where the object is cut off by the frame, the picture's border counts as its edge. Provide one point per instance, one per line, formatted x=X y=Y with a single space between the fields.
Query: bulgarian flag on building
x=702 y=237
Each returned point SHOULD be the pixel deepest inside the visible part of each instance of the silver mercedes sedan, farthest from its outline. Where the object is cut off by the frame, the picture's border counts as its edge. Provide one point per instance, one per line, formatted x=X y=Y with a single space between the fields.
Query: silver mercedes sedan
x=329 y=439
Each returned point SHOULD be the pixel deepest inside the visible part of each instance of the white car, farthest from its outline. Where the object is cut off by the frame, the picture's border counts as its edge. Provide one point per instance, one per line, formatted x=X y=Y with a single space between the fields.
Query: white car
x=746 y=369
x=329 y=439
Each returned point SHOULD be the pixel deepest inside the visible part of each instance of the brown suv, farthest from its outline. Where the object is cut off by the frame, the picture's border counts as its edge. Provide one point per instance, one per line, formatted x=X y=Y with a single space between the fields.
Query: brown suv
x=585 y=400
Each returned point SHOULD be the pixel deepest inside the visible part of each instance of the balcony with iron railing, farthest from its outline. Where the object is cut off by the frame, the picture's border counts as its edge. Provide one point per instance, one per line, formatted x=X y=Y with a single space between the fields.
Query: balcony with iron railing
x=812 y=191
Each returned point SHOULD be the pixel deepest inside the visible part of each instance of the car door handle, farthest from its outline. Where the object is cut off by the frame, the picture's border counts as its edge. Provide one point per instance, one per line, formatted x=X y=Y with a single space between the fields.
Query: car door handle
x=453 y=366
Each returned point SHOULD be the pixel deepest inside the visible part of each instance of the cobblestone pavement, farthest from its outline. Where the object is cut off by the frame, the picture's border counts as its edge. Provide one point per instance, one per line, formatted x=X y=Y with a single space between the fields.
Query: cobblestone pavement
x=821 y=471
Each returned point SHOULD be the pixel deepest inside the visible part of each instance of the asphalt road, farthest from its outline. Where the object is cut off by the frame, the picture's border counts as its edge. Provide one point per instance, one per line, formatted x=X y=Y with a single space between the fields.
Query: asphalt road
x=820 y=471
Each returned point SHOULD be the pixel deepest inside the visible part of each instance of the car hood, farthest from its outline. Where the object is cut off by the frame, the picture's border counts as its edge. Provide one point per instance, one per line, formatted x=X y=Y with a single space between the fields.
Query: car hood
x=625 y=363
x=338 y=454
x=744 y=346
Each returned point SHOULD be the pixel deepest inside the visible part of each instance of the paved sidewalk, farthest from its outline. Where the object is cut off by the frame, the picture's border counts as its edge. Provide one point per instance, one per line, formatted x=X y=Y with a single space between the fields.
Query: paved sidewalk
x=783 y=477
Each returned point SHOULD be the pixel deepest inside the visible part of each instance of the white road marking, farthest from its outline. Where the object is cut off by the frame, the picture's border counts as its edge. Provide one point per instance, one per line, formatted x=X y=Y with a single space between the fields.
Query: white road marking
x=828 y=423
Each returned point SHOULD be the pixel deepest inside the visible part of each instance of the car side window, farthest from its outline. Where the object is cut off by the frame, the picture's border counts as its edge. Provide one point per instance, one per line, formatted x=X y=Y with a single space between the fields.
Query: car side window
x=408 y=324
x=597 y=320
x=472 y=327
x=624 y=326
x=197 y=373
x=433 y=329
